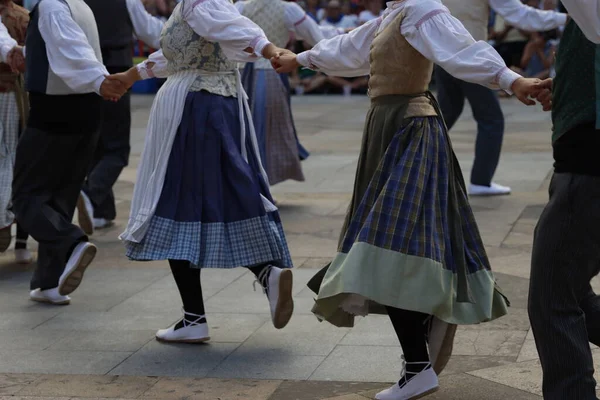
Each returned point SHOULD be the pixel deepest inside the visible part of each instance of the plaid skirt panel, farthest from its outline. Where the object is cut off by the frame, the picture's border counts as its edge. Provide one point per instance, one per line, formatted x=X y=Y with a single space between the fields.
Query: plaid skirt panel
x=414 y=200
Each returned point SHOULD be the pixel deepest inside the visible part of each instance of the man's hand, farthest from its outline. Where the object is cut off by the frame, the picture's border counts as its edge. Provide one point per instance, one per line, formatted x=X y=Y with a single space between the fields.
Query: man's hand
x=285 y=62
x=544 y=97
x=526 y=89
x=16 y=60
x=112 y=89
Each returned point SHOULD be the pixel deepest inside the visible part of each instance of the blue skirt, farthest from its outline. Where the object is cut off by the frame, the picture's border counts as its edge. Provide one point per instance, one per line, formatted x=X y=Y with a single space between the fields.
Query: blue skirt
x=210 y=211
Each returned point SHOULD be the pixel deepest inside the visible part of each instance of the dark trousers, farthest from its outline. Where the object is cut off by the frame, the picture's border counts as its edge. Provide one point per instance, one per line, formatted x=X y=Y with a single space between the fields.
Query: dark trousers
x=563 y=309
x=111 y=156
x=486 y=111
x=49 y=172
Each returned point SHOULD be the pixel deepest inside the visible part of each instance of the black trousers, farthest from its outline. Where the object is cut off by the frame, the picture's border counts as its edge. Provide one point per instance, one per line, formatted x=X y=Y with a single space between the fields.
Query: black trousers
x=49 y=171
x=111 y=156
x=563 y=309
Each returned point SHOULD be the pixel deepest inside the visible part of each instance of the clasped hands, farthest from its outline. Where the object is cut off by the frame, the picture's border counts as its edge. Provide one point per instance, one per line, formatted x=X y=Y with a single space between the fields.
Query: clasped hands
x=16 y=60
x=116 y=85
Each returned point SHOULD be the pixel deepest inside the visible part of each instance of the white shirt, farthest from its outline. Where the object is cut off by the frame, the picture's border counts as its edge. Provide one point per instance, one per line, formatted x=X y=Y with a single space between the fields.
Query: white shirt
x=69 y=53
x=7 y=43
x=217 y=21
x=146 y=27
x=527 y=18
x=586 y=13
x=430 y=28
x=296 y=20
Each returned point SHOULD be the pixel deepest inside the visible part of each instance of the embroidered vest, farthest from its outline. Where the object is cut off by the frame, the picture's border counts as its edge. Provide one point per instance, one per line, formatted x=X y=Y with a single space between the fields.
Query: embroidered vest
x=270 y=16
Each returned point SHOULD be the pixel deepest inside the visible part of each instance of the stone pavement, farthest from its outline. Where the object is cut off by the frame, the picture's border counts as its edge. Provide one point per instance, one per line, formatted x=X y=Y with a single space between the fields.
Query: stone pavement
x=102 y=346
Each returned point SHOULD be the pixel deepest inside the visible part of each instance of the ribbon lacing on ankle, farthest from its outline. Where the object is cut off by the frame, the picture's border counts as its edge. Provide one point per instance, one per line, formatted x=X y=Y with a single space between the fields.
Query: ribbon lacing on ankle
x=404 y=379
x=188 y=322
x=262 y=279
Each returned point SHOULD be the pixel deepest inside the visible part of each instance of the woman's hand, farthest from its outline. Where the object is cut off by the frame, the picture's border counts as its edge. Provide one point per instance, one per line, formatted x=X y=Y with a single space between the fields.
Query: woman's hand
x=526 y=89
x=285 y=62
x=127 y=78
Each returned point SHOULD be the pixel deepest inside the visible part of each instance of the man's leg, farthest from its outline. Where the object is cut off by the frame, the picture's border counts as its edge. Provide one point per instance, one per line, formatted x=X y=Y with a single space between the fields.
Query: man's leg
x=490 y=131
x=45 y=168
x=114 y=151
x=450 y=96
x=565 y=258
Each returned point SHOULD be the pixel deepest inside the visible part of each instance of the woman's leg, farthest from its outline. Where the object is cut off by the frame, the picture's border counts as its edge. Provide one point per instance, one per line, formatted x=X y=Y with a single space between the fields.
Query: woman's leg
x=22 y=237
x=190 y=290
x=22 y=254
x=277 y=284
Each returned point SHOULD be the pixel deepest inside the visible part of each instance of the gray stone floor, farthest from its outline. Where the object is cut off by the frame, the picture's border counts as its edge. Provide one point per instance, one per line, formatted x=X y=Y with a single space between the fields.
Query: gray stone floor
x=102 y=346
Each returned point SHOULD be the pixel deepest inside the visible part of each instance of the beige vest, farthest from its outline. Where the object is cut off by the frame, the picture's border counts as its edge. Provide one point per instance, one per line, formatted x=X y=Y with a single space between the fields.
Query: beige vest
x=396 y=67
x=474 y=15
x=270 y=16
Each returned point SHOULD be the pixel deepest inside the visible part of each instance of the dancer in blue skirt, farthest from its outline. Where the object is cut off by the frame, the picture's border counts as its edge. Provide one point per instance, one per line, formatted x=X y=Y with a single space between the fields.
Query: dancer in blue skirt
x=201 y=198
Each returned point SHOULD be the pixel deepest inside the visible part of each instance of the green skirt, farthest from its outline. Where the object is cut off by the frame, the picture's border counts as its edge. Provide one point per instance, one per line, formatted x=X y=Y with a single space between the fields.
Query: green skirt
x=410 y=239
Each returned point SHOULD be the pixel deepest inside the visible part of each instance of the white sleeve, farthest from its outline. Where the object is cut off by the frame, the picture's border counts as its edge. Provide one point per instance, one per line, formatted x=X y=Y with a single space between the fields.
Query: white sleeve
x=302 y=25
x=7 y=43
x=69 y=53
x=220 y=21
x=586 y=13
x=154 y=67
x=527 y=18
x=343 y=55
x=146 y=27
x=434 y=32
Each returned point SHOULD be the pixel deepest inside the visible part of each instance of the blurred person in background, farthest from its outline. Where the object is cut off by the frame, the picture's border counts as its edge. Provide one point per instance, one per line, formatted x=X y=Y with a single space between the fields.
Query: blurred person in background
x=474 y=14
x=334 y=17
x=373 y=10
x=117 y=21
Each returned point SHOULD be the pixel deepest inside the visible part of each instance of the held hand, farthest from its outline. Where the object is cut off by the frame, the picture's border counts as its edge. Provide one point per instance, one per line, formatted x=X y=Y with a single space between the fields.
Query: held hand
x=544 y=97
x=112 y=89
x=285 y=63
x=525 y=89
x=16 y=60
x=127 y=79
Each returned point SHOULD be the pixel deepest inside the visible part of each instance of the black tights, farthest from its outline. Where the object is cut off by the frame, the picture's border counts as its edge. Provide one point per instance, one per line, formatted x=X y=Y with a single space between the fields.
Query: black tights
x=411 y=330
x=190 y=287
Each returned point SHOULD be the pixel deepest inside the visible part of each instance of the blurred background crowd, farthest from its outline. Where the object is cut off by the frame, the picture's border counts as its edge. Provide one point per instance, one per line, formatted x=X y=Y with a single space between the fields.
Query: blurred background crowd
x=529 y=53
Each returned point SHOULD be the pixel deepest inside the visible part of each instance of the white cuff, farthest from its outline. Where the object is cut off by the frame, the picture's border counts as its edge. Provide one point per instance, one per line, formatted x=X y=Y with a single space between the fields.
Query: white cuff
x=303 y=59
x=562 y=19
x=97 y=83
x=259 y=44
x=4 y=50
x=506 y=78
x=145 y=72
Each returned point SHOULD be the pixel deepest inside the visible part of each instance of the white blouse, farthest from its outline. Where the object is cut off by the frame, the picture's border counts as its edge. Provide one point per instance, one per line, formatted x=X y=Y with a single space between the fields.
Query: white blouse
x=6 y=42
x=430 y=28
x=586 y=13
x=217 y=21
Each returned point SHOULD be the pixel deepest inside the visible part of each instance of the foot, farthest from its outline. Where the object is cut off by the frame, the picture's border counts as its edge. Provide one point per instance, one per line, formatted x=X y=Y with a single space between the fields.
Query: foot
x=101 y=223
x=5 y=238
x=412 y=386
x=191 y=329
x=493 y=190
x=440 y=339
x=80 y=259
x=50 y=296
x=85 y=213
x=277 y=284
x=23 y=256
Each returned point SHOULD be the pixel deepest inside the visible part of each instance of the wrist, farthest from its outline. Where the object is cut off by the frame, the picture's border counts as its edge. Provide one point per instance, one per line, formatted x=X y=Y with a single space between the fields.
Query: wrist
x=269 y=51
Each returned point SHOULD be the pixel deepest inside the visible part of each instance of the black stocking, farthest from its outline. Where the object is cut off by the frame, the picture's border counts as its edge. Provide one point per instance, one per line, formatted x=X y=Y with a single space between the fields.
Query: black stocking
x=190 y=289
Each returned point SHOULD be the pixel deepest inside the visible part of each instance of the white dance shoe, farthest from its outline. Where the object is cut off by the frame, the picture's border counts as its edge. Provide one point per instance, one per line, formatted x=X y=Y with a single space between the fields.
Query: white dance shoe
x=493 y=190
x=23 y=256
x=193 y=331
x=50 y=296
x=80 y=259
x=440 y=340
x=85 y=213
x=279 y=292
x=418 y=386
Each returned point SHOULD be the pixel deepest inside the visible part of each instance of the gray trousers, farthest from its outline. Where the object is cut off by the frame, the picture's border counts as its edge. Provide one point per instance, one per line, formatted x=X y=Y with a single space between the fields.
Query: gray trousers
x=49 y=172
x=563 y=309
